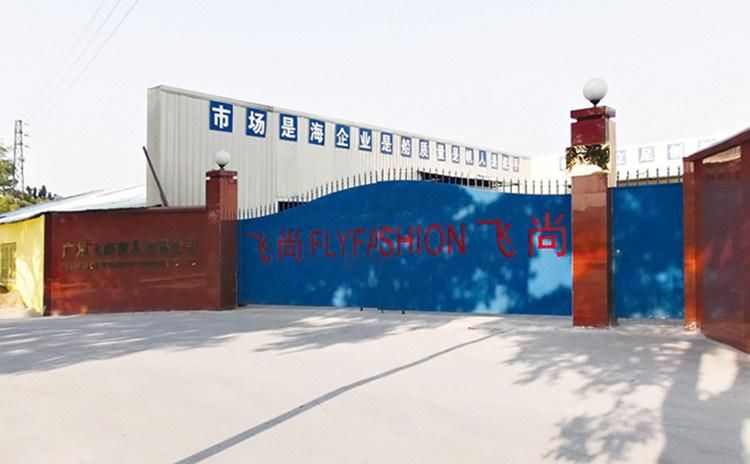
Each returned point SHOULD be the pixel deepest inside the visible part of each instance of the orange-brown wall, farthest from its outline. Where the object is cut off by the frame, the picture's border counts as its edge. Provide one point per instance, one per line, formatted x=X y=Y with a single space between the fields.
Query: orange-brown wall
x=717 y=241
x=131 y=260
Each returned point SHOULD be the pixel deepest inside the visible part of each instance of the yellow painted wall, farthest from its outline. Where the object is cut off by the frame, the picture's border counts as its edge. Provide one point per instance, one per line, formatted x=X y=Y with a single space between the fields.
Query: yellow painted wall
x=29 y=238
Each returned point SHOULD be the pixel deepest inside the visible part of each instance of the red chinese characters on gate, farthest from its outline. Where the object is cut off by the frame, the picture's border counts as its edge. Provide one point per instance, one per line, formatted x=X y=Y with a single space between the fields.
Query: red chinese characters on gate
x=295 y=244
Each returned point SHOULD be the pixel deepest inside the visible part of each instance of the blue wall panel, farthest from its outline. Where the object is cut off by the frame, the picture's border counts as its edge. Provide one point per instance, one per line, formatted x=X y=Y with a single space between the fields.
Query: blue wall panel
x=349 y=254
x=647 y=249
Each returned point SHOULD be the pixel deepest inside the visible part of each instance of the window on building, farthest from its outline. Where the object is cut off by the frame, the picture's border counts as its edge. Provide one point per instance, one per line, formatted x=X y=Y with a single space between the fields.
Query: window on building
x=7 y=263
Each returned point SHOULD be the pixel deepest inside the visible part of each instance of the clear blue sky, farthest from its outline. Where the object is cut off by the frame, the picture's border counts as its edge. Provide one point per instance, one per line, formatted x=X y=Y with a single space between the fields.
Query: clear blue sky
x=503 y=74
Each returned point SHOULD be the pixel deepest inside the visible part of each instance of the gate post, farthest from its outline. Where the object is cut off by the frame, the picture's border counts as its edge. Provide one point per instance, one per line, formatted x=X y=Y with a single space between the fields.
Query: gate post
x=590 y=218
x=221 y=212
x=691 y=240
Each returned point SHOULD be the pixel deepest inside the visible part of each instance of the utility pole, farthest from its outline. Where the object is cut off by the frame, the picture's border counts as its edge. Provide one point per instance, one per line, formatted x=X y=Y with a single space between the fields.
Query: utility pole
x=18 y=156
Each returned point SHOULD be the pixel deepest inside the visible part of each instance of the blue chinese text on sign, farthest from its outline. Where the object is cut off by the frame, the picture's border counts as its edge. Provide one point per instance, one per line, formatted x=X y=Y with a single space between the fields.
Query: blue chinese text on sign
x=288 y=127
x=342 y=136
x=405 y=146
x=494 y=163
x=455 y=154
x=386 y=143
x=440 y=148
x=469 y=156
x=220 y=116
x=482 y=158
x=256 y=122
x=506 y=162
x=317 y=132
x=424 y=149
x=365 y=139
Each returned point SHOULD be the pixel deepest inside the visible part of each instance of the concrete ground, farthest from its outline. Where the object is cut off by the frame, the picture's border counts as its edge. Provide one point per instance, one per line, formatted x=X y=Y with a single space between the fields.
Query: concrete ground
x=281 y=385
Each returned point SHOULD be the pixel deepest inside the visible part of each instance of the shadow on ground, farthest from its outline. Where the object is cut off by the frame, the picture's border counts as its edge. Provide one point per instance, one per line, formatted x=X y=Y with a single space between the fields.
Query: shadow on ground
x=656 y=377
x=698 y=411
x=657 y=374
x=32 y=345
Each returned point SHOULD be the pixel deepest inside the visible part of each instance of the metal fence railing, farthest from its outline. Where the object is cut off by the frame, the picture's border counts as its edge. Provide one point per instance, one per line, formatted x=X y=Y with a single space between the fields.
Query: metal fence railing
x=649 y=176
x=496 y=184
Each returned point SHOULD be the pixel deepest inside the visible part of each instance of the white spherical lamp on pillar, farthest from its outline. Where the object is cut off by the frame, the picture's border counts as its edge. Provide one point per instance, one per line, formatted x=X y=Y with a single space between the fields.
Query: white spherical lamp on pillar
x=222 y=158
x=595 y=90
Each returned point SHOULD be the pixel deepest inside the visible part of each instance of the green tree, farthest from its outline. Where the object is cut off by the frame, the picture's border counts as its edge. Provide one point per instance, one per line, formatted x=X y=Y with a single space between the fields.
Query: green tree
x=12 y=199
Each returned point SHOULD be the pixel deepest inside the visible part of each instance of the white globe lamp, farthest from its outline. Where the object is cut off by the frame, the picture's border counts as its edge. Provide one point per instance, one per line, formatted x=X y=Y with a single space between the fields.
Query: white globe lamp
x=222 y=158
x=595 y=90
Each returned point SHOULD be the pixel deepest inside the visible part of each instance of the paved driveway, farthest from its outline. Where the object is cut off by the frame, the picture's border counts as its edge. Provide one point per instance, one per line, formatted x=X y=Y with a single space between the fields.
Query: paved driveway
x=305 y=385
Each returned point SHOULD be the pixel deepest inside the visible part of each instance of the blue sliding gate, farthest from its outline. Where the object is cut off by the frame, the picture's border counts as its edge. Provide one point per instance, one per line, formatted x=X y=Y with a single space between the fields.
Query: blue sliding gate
x=412 y=245
x=647 y=248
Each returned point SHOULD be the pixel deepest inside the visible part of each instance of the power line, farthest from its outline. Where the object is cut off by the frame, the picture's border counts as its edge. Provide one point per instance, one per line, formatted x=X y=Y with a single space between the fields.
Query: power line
x=101 y=47
x=70 y=51
x=80 y=55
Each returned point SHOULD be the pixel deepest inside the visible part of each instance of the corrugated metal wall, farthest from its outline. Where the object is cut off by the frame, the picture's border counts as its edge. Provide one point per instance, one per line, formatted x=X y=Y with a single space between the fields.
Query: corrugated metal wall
x=182 y=147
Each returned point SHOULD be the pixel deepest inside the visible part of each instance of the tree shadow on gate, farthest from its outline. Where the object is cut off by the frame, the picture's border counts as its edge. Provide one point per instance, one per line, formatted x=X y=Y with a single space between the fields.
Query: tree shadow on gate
x=475 y=259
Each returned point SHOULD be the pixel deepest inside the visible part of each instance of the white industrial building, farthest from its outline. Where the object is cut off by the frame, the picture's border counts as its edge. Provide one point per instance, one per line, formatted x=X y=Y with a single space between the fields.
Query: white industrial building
x=640 y=161
x=282 y=154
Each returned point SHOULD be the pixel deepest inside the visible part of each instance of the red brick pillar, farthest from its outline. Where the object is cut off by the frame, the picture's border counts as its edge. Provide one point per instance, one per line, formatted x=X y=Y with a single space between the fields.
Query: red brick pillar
x=591 y=222
x=221 y=211
x=691 y=247
x=745 y=176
